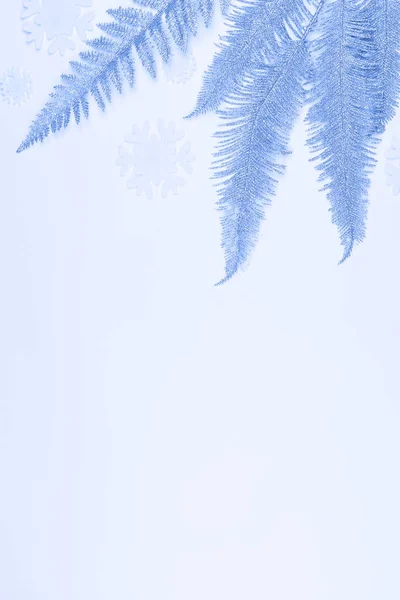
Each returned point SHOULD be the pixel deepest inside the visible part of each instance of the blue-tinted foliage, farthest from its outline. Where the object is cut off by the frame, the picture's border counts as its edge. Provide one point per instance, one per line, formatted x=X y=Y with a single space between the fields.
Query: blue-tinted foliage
x=341 y=116
x=353 y=86
x=133 y=32
x=225 y=5
x=254 y=27
x=250 y=23
x=387 y=42
x=341 y=57
x=257 y=119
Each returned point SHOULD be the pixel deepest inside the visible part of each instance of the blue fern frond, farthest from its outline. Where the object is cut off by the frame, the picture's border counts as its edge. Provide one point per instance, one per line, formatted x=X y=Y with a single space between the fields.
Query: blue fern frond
x=225 y=5
x=387 y=38
x=341 y=116
x=257 y=120
x=248 y=24
x=254 y=26
x=111 y=58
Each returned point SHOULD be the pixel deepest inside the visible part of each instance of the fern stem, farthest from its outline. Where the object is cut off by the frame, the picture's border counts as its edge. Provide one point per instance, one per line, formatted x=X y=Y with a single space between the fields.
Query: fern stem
x=344 y=136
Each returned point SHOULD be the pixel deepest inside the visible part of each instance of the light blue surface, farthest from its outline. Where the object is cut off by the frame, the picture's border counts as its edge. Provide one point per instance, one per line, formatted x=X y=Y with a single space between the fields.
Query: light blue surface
x=163 y=438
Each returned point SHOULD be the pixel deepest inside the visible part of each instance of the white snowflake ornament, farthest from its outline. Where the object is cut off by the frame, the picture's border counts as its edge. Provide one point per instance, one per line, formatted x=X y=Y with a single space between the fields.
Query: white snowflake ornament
x=392 y=168
x=16 y=86
x=155 y=160
x=180 y=68
x=59 y=20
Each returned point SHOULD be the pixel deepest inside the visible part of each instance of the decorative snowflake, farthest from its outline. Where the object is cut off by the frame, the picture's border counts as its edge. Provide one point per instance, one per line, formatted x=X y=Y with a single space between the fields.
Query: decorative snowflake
x=180 y=68
x=16 y=86
x=59 y=20
x=392 y=168
x=155 y=159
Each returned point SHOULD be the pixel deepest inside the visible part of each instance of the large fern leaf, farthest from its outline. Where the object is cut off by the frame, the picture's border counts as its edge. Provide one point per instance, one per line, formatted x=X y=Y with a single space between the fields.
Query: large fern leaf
x=256 y=125
x=341 y=117
x=142 y=31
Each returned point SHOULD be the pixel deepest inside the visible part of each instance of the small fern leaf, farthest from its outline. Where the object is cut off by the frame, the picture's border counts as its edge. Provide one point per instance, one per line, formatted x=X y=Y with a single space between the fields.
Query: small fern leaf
x=341 y=117
x=110 y=58
x=387 y=76
x=256 y=127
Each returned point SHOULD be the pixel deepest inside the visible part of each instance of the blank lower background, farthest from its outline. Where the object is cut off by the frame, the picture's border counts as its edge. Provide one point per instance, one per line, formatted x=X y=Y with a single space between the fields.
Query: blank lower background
x=163 y=438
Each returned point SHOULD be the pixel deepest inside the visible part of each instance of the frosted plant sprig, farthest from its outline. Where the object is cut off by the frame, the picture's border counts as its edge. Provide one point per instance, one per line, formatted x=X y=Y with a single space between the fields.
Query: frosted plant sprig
x=257 y=119
x=352 y=88
x=386 y=39
x=144 y=32
x=252 y=26
x=339 y=57
x=341 y=115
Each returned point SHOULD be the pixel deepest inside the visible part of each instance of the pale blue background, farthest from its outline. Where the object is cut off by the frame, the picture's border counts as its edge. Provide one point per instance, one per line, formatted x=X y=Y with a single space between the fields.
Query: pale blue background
x=165 y=439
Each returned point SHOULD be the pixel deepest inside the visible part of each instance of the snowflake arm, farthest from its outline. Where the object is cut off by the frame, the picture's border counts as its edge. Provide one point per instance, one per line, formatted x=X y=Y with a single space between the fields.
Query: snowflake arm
x=84 y=24
x=30 y=8
x=61 y=44
x=111 y=59
x=34 y=34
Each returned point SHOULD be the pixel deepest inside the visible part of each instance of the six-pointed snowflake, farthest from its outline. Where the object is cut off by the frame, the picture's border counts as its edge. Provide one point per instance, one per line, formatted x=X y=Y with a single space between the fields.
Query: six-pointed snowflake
x=16 y=86
x=392 y=168
x=180 y=68
x=155 y=159
x=59 y=20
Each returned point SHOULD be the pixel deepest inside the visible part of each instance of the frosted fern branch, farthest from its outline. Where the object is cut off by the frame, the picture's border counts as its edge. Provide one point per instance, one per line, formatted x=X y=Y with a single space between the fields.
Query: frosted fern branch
x=134 y=32
x=256 y=124
x=341 y=116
